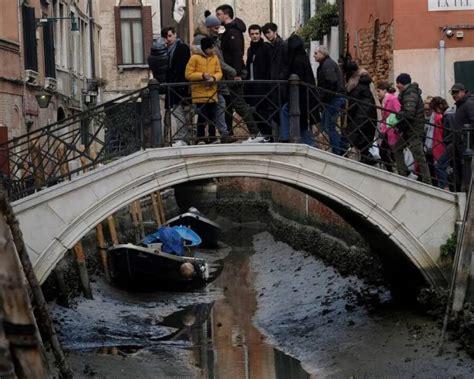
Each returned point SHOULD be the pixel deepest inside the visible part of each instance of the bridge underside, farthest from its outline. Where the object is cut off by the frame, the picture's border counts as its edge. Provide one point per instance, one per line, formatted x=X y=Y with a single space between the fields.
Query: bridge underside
x=417 y=218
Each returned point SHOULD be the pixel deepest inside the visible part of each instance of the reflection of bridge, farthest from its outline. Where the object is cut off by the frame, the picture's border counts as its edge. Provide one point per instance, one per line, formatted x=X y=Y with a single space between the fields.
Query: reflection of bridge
x=416 y=217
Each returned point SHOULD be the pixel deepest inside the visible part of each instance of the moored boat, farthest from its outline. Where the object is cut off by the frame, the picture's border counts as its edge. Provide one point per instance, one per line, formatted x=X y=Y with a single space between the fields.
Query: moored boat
x=207 y=229
x=135 y=265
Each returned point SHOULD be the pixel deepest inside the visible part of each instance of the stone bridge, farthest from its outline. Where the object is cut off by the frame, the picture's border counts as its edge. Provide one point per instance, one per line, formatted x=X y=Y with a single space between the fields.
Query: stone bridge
x=415 y=217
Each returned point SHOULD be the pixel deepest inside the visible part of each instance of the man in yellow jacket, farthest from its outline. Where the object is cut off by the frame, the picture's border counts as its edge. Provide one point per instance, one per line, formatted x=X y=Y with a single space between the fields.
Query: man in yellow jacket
x=204 y=67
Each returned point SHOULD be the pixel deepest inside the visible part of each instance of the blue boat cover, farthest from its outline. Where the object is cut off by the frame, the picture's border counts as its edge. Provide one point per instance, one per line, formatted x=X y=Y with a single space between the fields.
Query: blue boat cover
x=190 y=236
x=172 y=241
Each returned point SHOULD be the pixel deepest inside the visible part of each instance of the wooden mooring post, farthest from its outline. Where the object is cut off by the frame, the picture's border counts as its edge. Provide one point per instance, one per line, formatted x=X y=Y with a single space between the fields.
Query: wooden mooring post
x=20 y=337
x=137 y=219
x=157 y=205
x=22 y=322
x=102 y=247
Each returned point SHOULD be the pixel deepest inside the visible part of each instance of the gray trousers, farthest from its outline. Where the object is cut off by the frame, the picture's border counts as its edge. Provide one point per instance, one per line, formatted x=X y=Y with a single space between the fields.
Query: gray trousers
x=412 y=140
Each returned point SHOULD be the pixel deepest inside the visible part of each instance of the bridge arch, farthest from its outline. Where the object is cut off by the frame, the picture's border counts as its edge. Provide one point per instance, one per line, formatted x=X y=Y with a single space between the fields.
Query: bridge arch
x=384 y=200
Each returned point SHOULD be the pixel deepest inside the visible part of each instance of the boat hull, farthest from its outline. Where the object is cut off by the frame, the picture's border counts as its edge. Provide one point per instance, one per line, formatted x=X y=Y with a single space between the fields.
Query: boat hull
x=133 y=265
x=207 y=229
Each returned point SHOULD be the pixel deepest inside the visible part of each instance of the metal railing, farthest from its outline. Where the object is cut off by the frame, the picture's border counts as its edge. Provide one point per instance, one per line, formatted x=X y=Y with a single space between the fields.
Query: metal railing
x=279 y=111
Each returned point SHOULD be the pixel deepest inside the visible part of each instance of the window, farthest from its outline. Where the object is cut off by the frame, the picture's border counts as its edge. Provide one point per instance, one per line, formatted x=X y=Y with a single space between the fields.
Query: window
x=48 y=45
x=133 y=34
x=61 y=37
x=132 y=37
x=29 y=38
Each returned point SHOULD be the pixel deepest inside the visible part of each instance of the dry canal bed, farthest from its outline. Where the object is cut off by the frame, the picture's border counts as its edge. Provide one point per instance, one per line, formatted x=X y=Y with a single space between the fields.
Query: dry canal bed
x=273 y=313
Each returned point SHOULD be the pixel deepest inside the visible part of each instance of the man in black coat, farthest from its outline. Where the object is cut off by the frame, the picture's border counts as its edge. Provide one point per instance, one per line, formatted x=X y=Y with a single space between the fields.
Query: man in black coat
x=331 y=81
x=258 y=68
x=299 y=64
x=232 y=45
x=278 y=71
x=411 y=126
x=177 y=96
x=463 y=118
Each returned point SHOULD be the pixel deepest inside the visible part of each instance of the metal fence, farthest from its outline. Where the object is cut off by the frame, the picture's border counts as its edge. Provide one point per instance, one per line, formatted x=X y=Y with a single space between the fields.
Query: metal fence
x=272 y=111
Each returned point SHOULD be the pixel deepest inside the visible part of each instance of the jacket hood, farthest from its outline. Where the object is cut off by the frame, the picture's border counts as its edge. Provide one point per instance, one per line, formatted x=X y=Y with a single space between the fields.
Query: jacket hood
x=413 y=87
x=201 y=30
x=361 y=76
x=295 y=42
x=238 y=24
x=195 y=49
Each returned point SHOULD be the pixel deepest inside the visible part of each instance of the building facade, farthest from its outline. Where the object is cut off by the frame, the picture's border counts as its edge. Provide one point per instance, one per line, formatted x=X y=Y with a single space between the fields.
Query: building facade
x=47 y=47
x=430 y=39
x=128 y=29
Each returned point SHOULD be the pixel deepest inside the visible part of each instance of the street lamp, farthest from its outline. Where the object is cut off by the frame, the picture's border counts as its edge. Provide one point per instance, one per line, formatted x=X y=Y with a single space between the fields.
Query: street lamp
x=43 y=98
x=44 y=20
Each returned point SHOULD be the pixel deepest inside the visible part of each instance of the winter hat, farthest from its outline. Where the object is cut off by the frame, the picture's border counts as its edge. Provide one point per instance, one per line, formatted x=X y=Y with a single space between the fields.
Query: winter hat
x=403 y=79
x=457 y=87
x=207 y=43
x=212 y=21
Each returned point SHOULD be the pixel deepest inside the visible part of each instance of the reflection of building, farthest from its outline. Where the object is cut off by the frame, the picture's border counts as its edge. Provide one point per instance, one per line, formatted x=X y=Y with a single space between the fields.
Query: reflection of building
x=50 y=45
x=405 y=36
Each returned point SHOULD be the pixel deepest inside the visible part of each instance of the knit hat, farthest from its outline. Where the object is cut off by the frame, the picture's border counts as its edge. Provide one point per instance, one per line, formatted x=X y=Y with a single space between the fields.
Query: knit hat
x=207 y=43
x=403 y=79
x=212 y=21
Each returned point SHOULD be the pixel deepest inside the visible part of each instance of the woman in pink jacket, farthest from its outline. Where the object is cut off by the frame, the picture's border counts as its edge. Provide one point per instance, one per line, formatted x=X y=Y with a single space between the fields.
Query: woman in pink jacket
x=388 y=134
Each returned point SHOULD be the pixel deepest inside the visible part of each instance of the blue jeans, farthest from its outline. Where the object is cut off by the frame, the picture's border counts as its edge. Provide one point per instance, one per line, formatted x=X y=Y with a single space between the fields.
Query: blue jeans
x=329 y=117
x=284 y=123
x=307 y=137
x=305 y=133
x=441 y=169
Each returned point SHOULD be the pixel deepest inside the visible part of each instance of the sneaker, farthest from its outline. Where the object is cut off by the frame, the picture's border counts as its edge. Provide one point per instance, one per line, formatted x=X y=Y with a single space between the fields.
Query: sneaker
x=228 y=139
x=267 y=140
x=179 y=143
x=255 y=139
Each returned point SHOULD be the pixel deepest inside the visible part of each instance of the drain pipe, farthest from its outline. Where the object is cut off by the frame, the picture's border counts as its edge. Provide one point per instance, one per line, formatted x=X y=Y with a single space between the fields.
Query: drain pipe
x=442 y=60
x=442 y=66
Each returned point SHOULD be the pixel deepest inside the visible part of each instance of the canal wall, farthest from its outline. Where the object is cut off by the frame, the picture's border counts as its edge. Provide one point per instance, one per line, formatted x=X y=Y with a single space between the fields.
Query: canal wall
x=291 y=216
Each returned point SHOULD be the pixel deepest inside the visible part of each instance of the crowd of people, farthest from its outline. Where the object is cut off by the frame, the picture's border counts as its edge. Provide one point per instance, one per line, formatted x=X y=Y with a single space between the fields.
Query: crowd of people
x=403 y=133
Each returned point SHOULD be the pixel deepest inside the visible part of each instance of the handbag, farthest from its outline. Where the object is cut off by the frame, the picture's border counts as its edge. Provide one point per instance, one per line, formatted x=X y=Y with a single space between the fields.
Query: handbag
x=392 y=120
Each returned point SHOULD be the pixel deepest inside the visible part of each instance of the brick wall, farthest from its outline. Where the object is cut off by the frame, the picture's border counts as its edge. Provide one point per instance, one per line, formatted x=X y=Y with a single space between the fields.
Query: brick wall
x=287 y=199
x=374 y=50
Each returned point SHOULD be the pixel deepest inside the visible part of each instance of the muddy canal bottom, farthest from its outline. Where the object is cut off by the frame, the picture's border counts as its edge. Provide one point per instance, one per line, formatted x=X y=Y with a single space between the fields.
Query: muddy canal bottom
x=272 y=313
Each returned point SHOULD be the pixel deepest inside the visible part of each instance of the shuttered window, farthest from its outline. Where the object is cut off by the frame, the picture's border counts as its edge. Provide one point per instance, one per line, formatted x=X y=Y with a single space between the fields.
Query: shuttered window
x=133 y=34
x=29 y=38
x=48 y=42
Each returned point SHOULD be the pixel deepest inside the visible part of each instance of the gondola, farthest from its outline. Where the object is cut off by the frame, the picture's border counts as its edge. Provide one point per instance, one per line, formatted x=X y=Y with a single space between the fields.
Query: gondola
x=158 y=261
x=207 y=229
x=140 y=266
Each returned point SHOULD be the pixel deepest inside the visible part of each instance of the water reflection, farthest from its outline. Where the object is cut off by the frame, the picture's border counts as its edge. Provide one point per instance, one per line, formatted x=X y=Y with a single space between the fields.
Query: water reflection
x=221 y=335
x=227 y=344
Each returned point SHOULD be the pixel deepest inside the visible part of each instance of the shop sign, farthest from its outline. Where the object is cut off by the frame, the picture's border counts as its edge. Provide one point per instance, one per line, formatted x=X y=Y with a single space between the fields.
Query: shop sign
x=450 y=5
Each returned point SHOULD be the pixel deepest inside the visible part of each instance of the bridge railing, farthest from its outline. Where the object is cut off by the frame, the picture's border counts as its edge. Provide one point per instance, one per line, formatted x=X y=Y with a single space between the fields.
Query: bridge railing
x=293 y=111
x=273 y=111
x=57 y=152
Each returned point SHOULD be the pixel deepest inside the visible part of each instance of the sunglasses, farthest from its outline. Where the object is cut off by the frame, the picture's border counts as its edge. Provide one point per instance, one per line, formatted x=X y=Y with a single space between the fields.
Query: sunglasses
x=454 y=92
